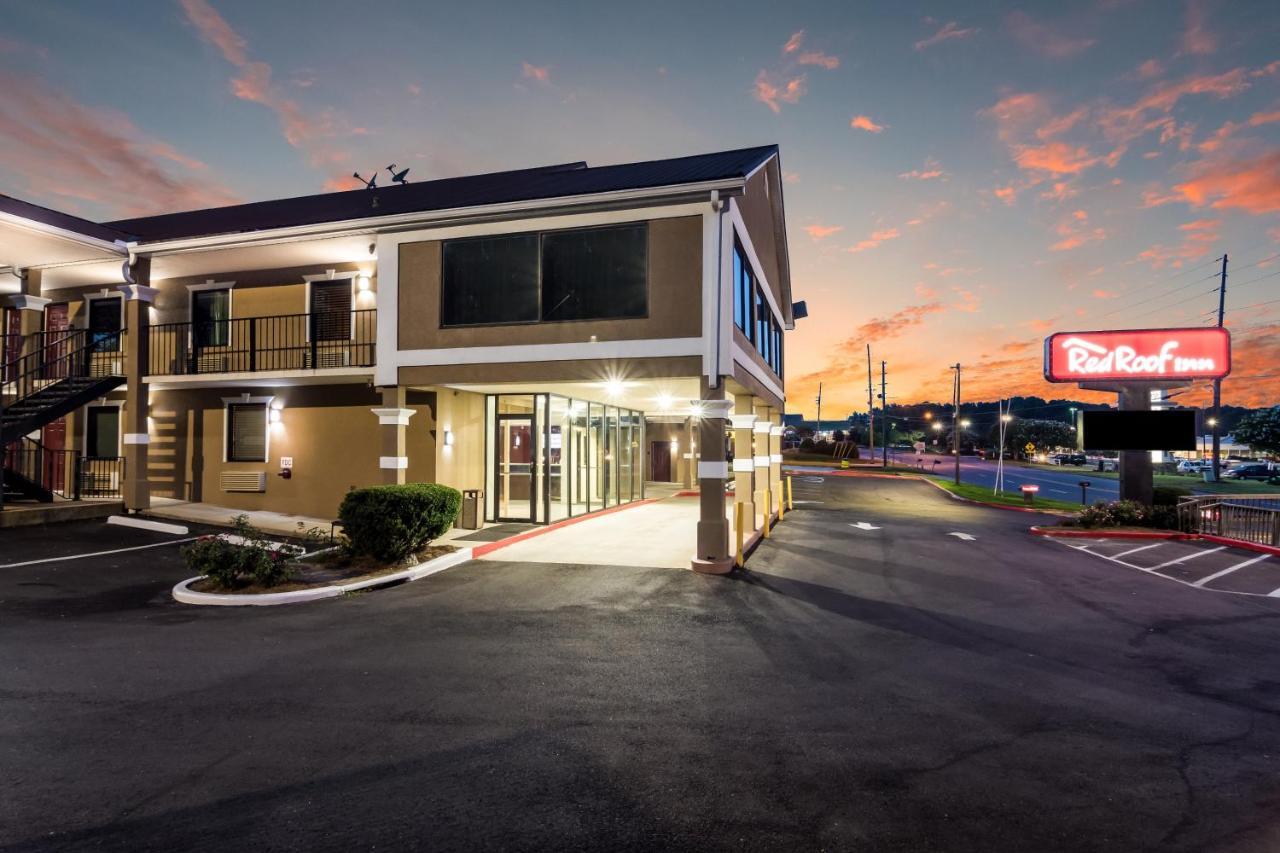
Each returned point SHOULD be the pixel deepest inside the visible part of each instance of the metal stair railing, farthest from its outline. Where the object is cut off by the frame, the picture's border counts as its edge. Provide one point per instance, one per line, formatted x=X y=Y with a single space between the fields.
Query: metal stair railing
x=69 y=354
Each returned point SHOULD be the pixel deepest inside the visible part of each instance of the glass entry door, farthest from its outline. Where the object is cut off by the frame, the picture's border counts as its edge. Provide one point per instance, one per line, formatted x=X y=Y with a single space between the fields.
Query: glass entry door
x=515 y=474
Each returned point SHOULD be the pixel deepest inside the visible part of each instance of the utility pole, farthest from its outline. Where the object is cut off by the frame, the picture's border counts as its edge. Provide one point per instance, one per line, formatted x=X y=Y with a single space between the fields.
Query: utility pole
x=871 y=411
x=1000 y=415
x=818 y=431
x=1217 y=383
x=884 y=421
x=955 y=422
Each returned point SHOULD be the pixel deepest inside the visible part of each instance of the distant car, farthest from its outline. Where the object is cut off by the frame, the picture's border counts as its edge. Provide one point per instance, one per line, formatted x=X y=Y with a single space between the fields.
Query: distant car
x=1109 y=465
x=1194 y=466
x=1251 y=471
x=1068 y=459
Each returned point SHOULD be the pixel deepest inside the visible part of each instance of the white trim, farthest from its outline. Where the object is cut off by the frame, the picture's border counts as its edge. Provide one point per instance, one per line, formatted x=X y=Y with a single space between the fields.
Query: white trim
x=134 y=438
x=27 y=302
x=209 y=284
x=740 y=357
x=762 y=461
x=394 y=417
x=113 y=247
x=267 y=378
x=712 y=232
x=740 y=228
x=742 y=421
x=633 y=348
x=713 y=408
x=762 y=427
x=393 y=462
x=329 y=275
x=138 y=292
x=90 y=298
x=243 y=399
x=775 y=431
x=743 y=465
x=437 y=218
x=775 y=458
x=713 y=470
x=105 y=404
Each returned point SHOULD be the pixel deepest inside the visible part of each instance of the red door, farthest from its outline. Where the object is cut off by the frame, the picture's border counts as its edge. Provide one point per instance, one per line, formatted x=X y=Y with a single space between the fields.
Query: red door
x=57 y=345
x=660 y=461
x=54 y=438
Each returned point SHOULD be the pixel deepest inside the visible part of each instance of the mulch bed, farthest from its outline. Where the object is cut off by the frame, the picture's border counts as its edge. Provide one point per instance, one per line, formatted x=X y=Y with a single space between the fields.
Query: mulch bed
x=327 y=569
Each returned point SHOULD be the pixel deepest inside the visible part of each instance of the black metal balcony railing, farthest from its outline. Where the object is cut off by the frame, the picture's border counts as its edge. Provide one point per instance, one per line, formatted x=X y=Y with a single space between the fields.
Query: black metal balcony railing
x=65 y=354
x=65 y=474
x=254 y=344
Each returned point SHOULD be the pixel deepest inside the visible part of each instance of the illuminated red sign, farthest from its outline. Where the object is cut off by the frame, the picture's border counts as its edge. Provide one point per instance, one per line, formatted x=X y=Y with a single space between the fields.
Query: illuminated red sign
x=1138 y=355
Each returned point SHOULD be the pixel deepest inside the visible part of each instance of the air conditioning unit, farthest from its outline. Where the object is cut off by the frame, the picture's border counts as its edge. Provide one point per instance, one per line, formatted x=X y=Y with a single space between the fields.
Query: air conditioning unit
x=211 y=364
x=333 y=358
x=243 y=481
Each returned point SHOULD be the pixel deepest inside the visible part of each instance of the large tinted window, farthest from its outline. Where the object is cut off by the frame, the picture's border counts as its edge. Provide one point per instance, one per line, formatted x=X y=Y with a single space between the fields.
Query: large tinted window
x=594 y=274
x=490 y=280
x=741 y=291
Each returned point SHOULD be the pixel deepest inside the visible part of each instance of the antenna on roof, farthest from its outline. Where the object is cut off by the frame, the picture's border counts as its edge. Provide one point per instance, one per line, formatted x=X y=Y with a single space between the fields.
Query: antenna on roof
x=371 y=184
x=398 y=177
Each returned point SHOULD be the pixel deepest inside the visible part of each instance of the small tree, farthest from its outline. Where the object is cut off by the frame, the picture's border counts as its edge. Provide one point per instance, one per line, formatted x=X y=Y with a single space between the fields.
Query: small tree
x=1260 y=430
x=1043 y=434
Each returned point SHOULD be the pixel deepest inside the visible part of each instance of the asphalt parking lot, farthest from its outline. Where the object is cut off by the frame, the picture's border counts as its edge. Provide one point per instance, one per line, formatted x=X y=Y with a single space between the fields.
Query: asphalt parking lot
x=896 y=671
x=1202 y=565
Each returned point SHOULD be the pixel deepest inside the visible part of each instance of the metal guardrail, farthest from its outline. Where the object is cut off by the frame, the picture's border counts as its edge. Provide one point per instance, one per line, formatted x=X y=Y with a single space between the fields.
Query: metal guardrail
x=1249 y=518
x=252 y=344
x=65 y=474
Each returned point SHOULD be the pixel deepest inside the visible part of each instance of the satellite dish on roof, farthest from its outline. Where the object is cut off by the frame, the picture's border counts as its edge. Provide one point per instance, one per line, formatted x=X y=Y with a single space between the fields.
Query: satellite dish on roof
x=398 y=177
x=371 y=184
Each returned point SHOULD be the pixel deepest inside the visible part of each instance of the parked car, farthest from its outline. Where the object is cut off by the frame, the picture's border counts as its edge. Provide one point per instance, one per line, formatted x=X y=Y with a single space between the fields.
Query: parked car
x=1108 y=464
x=1194 y=466
x=1068 y=459
x=1251 y=471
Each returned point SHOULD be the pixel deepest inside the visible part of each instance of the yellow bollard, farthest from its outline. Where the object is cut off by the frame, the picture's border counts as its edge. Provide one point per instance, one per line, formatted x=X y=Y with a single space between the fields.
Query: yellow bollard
x=790 y=503
x=766 y=513
x=782 y=504
x=737 y=521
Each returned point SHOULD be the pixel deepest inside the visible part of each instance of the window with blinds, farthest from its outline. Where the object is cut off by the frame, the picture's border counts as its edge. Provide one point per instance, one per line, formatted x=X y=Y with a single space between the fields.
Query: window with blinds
x=246 y=432
x=331 y=310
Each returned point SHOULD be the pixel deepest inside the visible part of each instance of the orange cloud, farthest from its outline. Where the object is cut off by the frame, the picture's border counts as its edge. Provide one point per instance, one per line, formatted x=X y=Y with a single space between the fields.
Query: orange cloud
x=931 y=169
x=817 y=57
x=950 y=30
x=1149 y=69
x=1196 y=38
x=821 y=232
x=793 y=43
x=865 y=123
x=538 y=73
x=1227 y=130
x=883 y=328
x=1252 y=185
x=1040 y=38
x=67 y=150
x=342 y=183
x=1199 y=238
x=877 y=237
x=1008 y=194
x=1099 y=293
x=773 y=95
x=1056 y=158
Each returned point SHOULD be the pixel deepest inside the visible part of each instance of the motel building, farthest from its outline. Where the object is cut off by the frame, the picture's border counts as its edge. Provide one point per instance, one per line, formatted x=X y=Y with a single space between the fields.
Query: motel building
x=564 y=340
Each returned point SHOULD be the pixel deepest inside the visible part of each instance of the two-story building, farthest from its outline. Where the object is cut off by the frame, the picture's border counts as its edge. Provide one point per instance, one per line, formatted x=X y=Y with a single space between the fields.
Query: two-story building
x=558 y=338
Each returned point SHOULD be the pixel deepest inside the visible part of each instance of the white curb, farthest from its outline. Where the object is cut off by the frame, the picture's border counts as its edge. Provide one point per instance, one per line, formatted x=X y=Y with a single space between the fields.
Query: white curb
x=146 y=524
x=184 y=594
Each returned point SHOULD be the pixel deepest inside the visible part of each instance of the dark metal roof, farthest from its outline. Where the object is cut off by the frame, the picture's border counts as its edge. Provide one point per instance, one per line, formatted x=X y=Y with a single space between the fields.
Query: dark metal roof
x=57 y=219
x=545 y=182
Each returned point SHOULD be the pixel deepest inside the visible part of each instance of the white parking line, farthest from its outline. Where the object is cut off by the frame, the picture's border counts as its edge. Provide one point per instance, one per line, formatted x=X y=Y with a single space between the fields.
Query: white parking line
x=1136 y=550
x=1228 y=571
x=1191 y=556
x=98 y=553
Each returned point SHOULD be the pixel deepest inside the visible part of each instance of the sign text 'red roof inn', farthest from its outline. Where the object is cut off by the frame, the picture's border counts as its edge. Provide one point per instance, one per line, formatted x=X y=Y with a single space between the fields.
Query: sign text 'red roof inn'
x=1138 y=355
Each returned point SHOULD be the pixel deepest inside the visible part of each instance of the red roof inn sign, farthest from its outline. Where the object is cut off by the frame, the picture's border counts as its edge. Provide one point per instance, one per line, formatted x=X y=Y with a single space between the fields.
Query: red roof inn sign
x=1138 y=355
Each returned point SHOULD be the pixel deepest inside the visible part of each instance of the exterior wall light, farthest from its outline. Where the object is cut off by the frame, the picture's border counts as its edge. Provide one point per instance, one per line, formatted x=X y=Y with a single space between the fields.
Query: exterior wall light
x=448 y=438
x=275 y=416
x=362 y=282
x=613 y=388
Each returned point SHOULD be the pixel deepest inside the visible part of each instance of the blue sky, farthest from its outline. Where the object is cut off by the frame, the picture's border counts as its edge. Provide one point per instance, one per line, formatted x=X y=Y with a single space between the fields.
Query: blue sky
x=960 y=180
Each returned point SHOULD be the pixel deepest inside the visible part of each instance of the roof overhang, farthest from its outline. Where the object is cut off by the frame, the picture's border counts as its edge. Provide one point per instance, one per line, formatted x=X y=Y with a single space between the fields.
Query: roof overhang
x=26 y=243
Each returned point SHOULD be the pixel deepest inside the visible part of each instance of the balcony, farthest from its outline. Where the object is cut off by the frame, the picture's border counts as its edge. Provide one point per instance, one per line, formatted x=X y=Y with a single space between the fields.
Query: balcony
x=291 y=342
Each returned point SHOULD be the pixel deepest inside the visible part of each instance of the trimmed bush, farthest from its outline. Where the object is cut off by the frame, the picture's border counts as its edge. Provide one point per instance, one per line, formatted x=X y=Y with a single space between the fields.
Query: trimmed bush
x=1114 y=514
x=389 y=523
x=1169 y=495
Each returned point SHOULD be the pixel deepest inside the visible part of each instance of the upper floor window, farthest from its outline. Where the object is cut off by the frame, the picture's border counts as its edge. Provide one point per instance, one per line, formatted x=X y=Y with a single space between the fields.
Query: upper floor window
x=580 y=274
x=742 y=289
x=211 y=317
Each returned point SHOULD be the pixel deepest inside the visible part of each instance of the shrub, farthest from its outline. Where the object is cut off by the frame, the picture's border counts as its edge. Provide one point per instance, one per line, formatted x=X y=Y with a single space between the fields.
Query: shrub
x=390 y=522
x=1114 y=514
x=230 y=565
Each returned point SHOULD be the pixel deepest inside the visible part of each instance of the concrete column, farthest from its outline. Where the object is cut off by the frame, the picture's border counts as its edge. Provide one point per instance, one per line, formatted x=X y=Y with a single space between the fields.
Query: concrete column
x=775 y=457
x=688 y=466
x=393 y=424
x=713 y=554
x=1136 y=483
x=135 y=433
x=30 y=305
x=744 y=466
x=760 y=450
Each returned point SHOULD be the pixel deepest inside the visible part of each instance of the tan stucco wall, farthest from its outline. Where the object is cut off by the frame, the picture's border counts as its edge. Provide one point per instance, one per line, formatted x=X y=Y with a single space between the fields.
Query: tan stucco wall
x=462 y=464
x=552 y=371
x=757 y=214
x=675 y=298
x=328 y=430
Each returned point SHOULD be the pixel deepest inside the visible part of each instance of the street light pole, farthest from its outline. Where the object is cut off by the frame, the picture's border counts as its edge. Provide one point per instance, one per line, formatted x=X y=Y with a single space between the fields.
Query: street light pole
x=955 y=422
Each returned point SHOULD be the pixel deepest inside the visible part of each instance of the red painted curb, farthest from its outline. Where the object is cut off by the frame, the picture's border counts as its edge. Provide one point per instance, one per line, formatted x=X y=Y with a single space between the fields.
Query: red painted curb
x=1240 y=543
x=490 y=547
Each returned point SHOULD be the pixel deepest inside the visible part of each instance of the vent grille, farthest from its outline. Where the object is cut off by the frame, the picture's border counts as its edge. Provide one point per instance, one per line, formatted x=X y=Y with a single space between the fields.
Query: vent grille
x=243 y=481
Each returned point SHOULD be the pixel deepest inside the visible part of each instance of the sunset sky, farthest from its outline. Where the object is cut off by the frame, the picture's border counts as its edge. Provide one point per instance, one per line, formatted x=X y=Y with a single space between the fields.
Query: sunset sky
x=961 y=179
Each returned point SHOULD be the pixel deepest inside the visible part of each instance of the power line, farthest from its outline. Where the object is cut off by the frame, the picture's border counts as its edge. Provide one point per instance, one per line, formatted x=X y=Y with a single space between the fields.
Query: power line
x=1197 y=295
x=1157 y=296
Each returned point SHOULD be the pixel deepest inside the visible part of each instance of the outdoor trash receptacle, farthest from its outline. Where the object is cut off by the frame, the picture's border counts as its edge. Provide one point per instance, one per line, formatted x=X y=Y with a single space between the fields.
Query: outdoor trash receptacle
x=469 y=517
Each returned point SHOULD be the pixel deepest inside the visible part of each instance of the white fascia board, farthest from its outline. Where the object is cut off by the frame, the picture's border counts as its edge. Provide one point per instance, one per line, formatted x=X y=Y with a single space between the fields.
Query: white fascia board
x=741 y=357
x=388 y=317
x=377 y=224
x=116 y=248
x=712 y=223
x=636 y=348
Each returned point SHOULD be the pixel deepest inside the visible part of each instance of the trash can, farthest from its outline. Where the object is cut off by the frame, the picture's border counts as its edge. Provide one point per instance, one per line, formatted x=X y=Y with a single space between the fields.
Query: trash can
x=469 y=517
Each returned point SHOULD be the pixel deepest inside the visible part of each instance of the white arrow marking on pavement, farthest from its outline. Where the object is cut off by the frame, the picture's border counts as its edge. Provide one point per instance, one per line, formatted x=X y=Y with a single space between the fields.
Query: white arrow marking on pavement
x=964 y=536
x=863 y=525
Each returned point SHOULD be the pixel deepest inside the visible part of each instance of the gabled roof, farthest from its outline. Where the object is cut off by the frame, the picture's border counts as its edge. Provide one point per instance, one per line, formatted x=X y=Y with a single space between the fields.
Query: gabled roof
x=546 y=182
x=18 y=209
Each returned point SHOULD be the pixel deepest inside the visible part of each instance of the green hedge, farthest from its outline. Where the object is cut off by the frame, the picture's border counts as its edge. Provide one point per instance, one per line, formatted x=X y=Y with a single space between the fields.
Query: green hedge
x=391 y=522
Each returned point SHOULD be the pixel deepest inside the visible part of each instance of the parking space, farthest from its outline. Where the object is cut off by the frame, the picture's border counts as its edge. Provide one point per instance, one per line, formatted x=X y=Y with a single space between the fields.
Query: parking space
x=1203 y=565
